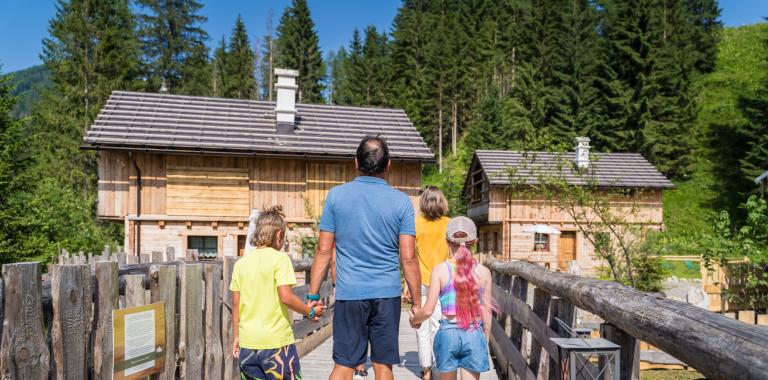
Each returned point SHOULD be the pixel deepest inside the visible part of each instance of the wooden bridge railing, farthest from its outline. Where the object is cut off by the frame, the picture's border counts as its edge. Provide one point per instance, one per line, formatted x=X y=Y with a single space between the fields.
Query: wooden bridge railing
x=718 y=347
x=58 y=325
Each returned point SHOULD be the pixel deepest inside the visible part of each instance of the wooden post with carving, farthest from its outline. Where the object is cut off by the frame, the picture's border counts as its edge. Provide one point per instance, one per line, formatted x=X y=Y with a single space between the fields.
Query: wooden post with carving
x=72 y=303
x=23 y=350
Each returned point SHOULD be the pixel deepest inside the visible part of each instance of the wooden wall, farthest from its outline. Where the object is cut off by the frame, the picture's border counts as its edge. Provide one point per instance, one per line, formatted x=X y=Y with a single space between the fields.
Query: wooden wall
x=647 y=204
x=210 y=186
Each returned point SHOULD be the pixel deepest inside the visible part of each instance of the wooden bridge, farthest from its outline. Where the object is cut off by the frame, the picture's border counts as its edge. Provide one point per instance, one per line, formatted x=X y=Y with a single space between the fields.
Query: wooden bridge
x=58 y=325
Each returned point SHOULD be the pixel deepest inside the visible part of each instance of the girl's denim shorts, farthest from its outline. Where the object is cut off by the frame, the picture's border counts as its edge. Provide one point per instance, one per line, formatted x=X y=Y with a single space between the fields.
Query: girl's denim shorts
x=456 y=348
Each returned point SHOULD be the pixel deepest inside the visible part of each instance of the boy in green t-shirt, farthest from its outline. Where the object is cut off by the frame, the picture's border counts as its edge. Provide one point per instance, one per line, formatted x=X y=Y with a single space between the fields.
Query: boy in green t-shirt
x=261 y=290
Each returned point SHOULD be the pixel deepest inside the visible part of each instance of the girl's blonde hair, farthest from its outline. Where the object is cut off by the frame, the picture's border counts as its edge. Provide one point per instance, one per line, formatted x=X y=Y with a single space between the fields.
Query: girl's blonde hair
x=433 y=204
x=269 y=222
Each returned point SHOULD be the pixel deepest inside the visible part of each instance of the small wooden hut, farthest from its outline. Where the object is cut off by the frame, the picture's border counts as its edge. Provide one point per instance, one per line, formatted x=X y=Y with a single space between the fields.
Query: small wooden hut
x=506 y=219
x=762 y=181
x=186 y=171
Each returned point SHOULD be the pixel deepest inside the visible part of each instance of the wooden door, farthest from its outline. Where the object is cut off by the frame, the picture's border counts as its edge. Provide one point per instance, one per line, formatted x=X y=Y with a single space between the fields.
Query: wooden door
x=240 y=245
x=566 y=250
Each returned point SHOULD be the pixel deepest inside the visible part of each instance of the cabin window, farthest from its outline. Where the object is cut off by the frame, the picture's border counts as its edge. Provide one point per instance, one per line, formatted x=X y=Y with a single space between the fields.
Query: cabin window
x=495 y=241
x=540 y=242
x=477 y=188
x=207 y=246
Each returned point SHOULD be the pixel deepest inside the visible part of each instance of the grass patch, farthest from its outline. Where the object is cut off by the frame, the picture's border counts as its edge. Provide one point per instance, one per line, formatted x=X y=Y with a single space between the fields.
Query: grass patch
x=682 y=269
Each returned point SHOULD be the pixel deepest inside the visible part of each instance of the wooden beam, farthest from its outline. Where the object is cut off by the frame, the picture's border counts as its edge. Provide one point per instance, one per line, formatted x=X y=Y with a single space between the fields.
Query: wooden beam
x=716 y=346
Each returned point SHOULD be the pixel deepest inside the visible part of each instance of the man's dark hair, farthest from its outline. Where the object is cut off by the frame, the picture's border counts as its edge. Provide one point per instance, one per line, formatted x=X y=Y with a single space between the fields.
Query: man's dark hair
x=372 y=155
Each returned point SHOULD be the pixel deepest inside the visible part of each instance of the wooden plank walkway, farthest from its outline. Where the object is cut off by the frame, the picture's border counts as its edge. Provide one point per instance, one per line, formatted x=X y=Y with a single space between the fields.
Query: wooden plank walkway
x=318 y=363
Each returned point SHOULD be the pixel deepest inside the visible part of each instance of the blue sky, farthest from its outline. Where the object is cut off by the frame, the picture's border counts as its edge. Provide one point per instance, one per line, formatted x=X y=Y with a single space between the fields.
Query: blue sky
x=24 y=23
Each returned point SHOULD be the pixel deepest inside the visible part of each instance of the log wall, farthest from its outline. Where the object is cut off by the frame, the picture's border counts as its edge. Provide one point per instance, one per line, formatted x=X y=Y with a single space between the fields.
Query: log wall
x=177 y=185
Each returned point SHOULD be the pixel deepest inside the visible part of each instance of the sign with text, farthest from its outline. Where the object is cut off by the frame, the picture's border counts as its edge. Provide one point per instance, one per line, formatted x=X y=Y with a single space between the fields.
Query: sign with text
x=138 y=341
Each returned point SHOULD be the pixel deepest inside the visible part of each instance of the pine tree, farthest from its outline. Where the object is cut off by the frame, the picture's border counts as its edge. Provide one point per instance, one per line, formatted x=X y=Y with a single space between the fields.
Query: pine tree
x=624 y=78
x=488 y=131
x=338 y=80
x=668 y=137
x=368 y=80
x=219 y=71
x=196 y=73
x=704 y=16
x=266 y=63
x=573 y=94
x=171 y=39
x=297 y=48
x=240 y=64
x=91 y=51
x=14 y=152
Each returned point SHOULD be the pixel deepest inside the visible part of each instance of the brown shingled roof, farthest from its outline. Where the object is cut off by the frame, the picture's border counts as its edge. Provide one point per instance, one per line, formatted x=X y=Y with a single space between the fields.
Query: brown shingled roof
x=605 y=169
x=163 y=122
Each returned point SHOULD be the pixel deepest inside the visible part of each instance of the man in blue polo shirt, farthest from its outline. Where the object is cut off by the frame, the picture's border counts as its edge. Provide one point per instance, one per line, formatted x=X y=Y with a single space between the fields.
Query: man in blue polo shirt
x=372 y=225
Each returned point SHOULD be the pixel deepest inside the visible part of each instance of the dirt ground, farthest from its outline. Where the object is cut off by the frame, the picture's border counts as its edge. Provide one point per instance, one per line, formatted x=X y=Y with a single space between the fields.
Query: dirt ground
x=661 y=374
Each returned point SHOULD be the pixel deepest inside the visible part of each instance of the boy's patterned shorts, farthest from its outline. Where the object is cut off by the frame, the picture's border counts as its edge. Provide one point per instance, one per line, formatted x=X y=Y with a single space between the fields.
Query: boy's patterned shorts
x=272 y=364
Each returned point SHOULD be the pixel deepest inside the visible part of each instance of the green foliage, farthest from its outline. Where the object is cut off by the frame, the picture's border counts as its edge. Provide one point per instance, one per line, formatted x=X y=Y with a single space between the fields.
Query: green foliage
x=29 y=83
x=48 y=219
x=173 y=45
x=750 y=241
x=362 y=77
x=451 y=180
x=297 y=48
x=739 y=74
x=239 y=65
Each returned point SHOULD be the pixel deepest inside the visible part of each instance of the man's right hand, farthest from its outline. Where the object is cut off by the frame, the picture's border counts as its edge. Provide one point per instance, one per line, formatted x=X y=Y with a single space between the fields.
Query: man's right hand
x=413 y=315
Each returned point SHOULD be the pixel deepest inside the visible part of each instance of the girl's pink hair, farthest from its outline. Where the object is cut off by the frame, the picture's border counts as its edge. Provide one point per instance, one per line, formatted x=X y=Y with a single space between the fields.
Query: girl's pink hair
x=469 y=307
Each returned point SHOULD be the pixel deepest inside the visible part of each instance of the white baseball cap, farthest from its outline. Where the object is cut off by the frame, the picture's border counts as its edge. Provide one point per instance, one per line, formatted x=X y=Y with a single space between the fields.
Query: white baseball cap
x=461 y=224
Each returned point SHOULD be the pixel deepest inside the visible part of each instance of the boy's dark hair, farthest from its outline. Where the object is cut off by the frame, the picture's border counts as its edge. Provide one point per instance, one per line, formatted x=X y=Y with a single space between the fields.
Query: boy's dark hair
x=372 y=155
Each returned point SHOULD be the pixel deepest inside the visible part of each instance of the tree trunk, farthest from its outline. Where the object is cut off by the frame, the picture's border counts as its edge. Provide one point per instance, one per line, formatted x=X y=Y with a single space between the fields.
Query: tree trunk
x=454 y=127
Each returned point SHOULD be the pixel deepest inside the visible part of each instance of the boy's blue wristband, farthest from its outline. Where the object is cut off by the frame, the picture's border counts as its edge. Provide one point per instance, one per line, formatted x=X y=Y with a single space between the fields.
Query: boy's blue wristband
x=313 y=297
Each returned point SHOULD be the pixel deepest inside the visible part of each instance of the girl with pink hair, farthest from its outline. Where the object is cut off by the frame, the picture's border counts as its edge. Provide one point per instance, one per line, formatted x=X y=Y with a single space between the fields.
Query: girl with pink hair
x=464 y=292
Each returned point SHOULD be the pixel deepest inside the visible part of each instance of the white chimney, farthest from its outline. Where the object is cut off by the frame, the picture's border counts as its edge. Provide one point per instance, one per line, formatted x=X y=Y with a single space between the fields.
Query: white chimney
x=285 y=108
x=582 y=152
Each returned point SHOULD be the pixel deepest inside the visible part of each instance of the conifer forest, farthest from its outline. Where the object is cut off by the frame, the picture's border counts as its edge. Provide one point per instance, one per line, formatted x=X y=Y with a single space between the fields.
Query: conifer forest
x=663 y=78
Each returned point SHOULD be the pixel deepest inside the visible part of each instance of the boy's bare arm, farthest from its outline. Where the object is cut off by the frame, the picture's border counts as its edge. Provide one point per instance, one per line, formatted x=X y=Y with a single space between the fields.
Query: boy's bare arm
x=411 y=267
x=322 y=261
x=294 y=303
x=236 y=323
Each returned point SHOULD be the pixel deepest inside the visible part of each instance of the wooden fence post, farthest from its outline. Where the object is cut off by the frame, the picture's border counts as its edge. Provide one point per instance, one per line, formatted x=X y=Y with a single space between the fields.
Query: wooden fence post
x=630 y=350
x=158 y=256
x=131 y=259
x=23 y=350
x=520 y=291
x=231 y=370
x=191 y=321
x=108 y=296
x=72 y=302
x=170 y=254
x=135 y=294
x=145 y=258
x=213 y=350
x=163 y=289
x=539 y=362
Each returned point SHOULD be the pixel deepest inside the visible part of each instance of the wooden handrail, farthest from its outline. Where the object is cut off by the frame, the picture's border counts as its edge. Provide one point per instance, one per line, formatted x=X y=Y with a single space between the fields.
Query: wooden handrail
x=718 y=347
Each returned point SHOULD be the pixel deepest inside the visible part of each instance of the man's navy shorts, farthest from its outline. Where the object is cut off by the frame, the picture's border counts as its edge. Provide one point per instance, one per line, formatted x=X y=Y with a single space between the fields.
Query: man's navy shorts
x=357 y=322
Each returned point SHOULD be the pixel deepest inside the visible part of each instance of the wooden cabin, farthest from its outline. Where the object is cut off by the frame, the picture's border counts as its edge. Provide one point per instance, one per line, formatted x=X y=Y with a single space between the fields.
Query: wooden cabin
x=186 y=171
x=505 y=218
